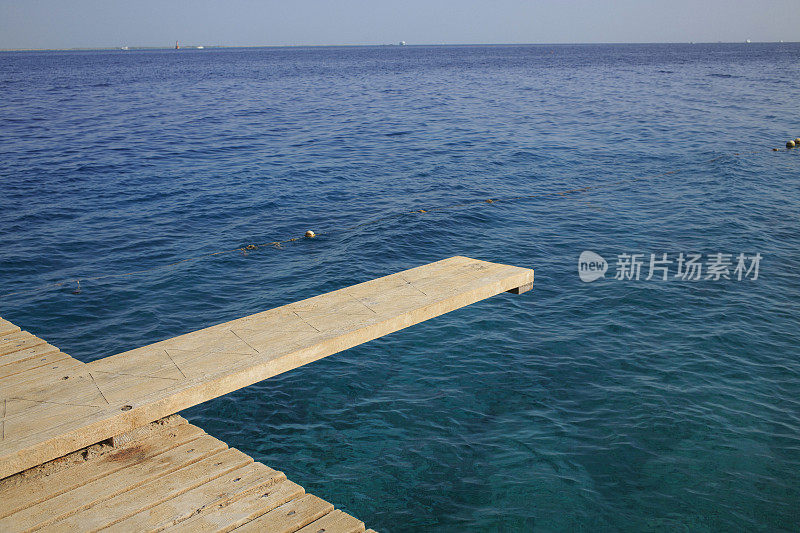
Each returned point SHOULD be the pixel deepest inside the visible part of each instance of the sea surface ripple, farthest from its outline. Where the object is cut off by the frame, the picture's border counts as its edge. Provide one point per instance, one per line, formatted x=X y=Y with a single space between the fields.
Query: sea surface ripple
x=616 y=405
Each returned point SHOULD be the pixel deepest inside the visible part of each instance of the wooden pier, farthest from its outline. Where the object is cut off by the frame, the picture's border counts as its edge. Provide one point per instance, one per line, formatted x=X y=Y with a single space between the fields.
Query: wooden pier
x=98 y=445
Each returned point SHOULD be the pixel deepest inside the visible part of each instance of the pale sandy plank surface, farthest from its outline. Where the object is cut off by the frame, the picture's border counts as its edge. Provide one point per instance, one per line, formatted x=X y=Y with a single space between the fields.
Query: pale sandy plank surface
x=165 y=428
x=40 y=387
x=290 y=516
x=59 y=383
x=334 y=522
x=44 y=482
x=7 y=327
x=39 y=379
x=150 y=494
x=117 y=394
x=31 y=363
x=154 y=481
x=28 y=353
x=217 y=493
x=106 y=487
x=140 y=480
x=13 y=342
x=238 y=513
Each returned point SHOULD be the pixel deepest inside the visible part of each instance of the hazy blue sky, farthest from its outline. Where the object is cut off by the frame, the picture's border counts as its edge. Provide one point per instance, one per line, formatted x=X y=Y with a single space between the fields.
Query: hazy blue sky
x=85 y=23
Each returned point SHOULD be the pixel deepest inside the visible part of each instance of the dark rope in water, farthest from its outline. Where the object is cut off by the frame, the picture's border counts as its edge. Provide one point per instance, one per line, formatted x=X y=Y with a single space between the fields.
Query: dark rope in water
x=245 y=249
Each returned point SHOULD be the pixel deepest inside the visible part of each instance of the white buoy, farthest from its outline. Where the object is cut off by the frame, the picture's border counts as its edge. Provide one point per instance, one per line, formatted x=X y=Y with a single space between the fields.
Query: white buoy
x=790 y=144
x=310 y=234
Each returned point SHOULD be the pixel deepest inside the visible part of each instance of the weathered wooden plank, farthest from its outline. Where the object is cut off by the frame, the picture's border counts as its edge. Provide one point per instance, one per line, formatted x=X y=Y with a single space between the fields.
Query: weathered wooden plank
x=106 y=487
x=72 y=386
x=159 y=490
x=47 y=481
x=141 y=480
x=334 y=522
x=24 y=416
x=524 y=288
x=163 y=428
x=229 y=517
x=215 y=494
x=290 y=516
x=7 y=327
x=18 y=367
x=155 y=381
x=121 y=389
x=14 y=342
x=153 y=483
x=39 y=378
x=28 y=353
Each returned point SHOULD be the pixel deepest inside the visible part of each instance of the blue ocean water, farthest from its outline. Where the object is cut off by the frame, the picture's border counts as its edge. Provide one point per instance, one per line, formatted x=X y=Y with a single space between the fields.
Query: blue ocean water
x=612 y=405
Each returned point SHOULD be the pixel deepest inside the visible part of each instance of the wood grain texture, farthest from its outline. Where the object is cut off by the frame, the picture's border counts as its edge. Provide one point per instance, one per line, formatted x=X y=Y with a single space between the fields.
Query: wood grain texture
x=7 y=327
x=32 y=363
x=290 y=516
x=61 y=407
x=162 y=489
x=23 y=355
x=55 y=478
x=168 y=475
x=20 y=340
x=334 y=522
x=104 y=488
x=215 y=494
x=238 y=513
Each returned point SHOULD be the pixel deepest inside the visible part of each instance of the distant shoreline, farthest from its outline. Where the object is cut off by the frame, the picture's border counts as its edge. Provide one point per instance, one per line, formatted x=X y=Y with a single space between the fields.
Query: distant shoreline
x=217 y=47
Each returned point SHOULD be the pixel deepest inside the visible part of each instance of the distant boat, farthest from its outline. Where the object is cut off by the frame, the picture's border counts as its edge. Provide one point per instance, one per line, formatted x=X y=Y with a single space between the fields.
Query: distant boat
x=402 y=43
x=124 y=48
x=176 y=46
x=200 y=47
x=748 y=41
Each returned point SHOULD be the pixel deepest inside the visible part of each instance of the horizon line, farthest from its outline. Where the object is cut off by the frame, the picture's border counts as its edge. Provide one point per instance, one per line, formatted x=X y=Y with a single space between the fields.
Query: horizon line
x=218 y=46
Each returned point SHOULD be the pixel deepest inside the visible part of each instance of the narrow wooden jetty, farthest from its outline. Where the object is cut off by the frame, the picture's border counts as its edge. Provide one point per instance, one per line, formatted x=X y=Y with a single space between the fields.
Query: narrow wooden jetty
x=95 y=445
x=166 y=475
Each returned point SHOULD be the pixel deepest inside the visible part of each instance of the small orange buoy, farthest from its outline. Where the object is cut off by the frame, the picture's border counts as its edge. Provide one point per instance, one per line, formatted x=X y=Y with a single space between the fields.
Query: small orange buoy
x=310 y=234
x=790 y=145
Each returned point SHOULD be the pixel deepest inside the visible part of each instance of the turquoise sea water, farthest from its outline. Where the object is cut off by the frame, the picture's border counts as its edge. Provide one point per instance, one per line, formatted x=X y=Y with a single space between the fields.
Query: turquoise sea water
x=613 y=405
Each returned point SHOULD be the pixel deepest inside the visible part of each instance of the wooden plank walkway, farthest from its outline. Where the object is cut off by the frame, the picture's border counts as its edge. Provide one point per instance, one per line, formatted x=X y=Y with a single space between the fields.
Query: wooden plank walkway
x=167 y=476
x=52 y=405
x=97 y=445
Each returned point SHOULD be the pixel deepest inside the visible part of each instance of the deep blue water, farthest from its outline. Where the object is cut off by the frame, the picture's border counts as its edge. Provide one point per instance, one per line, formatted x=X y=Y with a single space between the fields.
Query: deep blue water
x=612 y=405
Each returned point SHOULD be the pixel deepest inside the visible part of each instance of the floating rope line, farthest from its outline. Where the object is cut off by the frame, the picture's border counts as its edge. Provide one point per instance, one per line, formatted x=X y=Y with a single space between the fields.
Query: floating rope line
x=252 y=247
